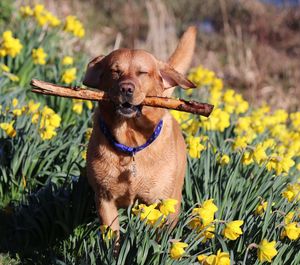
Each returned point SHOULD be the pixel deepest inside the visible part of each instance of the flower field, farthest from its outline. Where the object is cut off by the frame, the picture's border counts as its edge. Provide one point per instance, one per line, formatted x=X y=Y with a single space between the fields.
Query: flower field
x=242 y=188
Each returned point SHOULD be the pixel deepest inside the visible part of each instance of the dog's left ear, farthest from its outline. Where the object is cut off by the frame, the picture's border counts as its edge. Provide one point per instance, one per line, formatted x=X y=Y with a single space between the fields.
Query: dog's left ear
x=93 y=72
x=173 y=78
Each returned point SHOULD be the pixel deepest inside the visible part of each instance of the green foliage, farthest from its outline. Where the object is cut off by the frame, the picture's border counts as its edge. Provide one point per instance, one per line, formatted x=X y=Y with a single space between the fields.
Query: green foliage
x=7 y=260
x=6 y=9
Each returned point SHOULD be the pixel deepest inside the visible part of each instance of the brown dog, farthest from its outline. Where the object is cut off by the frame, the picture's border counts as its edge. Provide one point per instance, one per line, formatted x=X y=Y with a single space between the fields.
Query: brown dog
x=148 y=174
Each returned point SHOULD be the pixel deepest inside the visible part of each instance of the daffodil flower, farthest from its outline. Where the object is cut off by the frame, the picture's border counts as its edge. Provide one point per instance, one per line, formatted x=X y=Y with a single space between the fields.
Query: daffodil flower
x=177 y=250
x=266 y=250
x=233 y=229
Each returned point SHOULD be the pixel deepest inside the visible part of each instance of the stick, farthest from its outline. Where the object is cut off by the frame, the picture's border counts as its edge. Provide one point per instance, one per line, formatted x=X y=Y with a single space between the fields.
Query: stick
x=194 y=107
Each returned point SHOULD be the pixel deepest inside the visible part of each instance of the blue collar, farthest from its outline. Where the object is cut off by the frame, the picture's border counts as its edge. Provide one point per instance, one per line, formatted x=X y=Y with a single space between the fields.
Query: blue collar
x=127 y=149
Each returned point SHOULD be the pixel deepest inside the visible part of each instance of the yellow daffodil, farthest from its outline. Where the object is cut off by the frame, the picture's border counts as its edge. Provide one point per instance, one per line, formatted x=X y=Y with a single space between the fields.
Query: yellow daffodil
x=228 y=96
x=33 y=106
x=259 y=154
x=2 y=52
x=8 y=128
x=41 y=19
x=295 y=119
x=193 y=127
x=39 y=56
x=268 y=143
x=233 y=230
x=47 y=133
x=266 y=250
x=106 y=232
x=4 y=68
x=77 y=106
x=74 y=26
x=183 y=118
x=194 y=146
x=243 y=129
x=69 y=75
x=89 y=104
x=201 y=258
x=13 y=77
x=247 y=158
x=54 y=120
x=281 y=164
x=286 y=163
x=88 y=134
x=53 y=21
x=24 y=183
x=242 y=105
x=10 y=45
x=167 y=206
x=203 y=218
x=83 y=154
x=49 y=122
x=243 y=124
x=234 y=102
x=17 y=112
x=15 y=102
x=205 y=214
x=38 y=9
x=177 y=250
x=26 y=11
x=218 y=120
x=261 y=208
x=221 y=258
x=292 y=192
x=240 y=143
x=280 y=116
x=209 y=206
x=273 y=162
x=207 y=232
x=67 y=60
x=205 y=78
x=35 y=118
x=289 y=217
x=291 y=230
x=47 y=112
x=148 y=213
x=224 y=160
x=44 y=17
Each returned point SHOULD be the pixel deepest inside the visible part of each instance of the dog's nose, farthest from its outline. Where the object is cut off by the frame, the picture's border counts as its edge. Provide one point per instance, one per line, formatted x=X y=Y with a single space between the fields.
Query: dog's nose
x=127 y=88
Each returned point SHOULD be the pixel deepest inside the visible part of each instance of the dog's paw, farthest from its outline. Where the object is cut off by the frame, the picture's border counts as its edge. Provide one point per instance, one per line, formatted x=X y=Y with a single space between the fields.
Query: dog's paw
x=116 y=248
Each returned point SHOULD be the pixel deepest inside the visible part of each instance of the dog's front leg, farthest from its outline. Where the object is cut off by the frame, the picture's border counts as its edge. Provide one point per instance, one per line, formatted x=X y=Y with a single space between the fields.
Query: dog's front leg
x=108 y=213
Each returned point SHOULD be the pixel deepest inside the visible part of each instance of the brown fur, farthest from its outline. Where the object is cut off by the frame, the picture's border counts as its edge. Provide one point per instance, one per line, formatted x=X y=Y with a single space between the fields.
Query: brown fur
x=161 y=166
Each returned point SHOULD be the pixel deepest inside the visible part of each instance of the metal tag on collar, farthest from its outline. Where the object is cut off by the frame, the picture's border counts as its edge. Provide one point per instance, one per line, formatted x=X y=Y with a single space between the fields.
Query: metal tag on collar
x=133 y=165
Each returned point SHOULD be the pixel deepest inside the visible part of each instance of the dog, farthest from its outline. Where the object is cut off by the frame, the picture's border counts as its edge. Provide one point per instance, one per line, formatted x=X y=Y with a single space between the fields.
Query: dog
x=135 y=152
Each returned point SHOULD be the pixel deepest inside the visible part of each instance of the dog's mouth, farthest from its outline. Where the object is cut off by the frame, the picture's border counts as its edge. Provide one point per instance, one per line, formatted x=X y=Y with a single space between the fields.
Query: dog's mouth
x=128 y=110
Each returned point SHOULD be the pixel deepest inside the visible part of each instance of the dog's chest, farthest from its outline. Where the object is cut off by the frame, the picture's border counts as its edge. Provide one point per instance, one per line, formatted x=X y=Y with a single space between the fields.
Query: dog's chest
x=130 y=178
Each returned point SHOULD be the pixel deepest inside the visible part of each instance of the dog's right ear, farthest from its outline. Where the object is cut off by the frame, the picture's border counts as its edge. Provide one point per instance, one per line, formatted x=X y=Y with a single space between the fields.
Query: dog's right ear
x=171 y=77
x=93 y=72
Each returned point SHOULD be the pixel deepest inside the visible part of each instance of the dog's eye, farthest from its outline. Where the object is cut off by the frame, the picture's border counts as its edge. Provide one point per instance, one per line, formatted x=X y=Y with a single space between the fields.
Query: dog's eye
x=115 y=73
x=143 y=73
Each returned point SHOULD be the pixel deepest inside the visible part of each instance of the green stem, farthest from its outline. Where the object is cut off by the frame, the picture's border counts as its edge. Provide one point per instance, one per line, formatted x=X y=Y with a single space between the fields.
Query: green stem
x=252 y=245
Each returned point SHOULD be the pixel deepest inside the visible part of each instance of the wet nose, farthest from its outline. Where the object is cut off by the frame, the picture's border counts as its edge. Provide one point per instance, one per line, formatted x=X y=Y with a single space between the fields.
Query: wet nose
x=127 y=88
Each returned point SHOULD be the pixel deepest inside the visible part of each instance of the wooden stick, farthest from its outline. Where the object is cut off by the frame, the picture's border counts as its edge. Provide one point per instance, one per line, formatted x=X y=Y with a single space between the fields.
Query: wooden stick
x=194 y=107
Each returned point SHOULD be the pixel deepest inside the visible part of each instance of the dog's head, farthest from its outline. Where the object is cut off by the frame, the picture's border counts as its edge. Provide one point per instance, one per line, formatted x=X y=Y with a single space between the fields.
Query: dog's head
x=128 y=76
